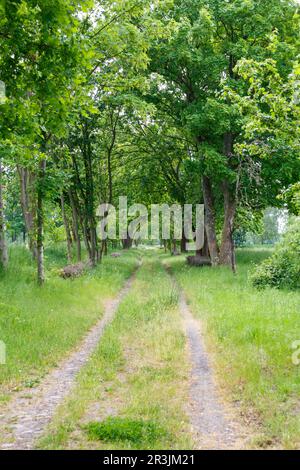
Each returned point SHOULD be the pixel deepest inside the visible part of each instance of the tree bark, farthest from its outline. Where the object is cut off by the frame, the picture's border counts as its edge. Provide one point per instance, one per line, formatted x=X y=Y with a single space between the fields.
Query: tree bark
x=205 y=249
x=174 y=247
x=210 y=222
x=82 y=217
x=75 y=226
x=3 y=244
x=28 y=206
x=110 y=180
x=90 y=215
x=67 y=229
x=127 y=242
x=227 y=252
x=40 y=223
x=183 y=243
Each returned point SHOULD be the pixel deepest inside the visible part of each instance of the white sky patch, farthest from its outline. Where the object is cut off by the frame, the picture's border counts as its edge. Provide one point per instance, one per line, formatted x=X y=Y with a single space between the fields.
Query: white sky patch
x=283 y=221
x=2 y=92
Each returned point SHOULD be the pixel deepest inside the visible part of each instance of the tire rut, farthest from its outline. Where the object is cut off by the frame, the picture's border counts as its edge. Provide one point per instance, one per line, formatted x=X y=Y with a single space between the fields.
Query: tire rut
x=25 y=418
x=214 y=426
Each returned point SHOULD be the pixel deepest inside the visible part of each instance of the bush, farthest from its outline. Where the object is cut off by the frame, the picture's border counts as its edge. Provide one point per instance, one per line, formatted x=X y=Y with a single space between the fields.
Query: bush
x=282 y=269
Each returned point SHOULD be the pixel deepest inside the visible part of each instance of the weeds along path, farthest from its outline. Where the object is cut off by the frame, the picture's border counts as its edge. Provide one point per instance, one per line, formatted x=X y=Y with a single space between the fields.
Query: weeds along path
x=214 y=425
x=132 y=394
x=26 y=416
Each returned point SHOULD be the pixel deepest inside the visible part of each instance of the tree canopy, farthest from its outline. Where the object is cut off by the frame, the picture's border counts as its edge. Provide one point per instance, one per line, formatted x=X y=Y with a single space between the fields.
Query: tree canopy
x=186 y=101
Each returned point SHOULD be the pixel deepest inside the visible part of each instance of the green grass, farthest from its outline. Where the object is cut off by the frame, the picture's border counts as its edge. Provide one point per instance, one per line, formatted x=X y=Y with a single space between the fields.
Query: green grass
x=132 y=394
x=250 y=334
x=40 y=325
x=136 y=432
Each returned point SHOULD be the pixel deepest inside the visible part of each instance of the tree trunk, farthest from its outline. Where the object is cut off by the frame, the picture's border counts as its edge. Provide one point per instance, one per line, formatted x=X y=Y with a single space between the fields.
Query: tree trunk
x=227 y=253
x=84 y=222
x=183 y=243
x=40 y=223
x=210 y=223
x=28 y=206
x=204 y=252
x=86 y=235
x=75 y=226
x=94 y=249
x=67 y=229
x=3 y=245
x=89 y=206
x=110 y=180
x=127 y=242
x=77 y=206
x=104 y=247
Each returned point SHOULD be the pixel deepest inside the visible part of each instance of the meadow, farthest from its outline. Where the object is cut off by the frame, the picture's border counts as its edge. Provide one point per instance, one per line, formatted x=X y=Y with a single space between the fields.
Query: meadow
x=250 y=334
x=39 y=326
x=133 y=392
x=137 y=380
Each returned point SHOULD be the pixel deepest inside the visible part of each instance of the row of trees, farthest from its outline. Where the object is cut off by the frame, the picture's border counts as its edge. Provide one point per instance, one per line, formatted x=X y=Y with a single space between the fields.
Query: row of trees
x=178 y=101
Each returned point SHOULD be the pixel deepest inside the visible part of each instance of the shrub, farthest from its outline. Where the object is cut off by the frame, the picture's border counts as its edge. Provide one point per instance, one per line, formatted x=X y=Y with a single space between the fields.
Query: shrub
x=282 y=269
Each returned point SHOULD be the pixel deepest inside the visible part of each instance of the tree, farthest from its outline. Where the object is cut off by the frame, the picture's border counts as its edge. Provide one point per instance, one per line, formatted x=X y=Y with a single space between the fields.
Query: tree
x=184 y=101
x=188 y=73
x=282 y=269
x=118 y=47
x=40 y=78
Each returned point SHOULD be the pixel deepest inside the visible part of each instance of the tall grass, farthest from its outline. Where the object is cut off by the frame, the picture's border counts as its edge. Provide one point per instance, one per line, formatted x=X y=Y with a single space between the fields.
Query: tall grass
x=40 y=325
x=133 y=392
x=250 y=334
